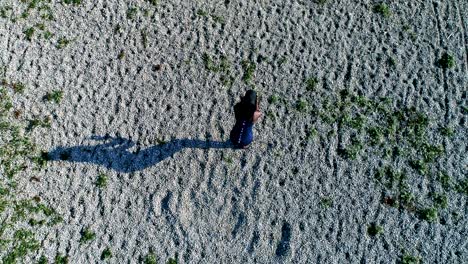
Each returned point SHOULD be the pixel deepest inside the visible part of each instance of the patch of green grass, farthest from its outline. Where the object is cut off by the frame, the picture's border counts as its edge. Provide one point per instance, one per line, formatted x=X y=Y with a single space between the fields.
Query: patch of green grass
x=409 y=259
x=29 y=32
x=42 y=260
x=444 y=180
x=249 y=69
x=311 y=83
x=60 y=259
x=202 y=13
x=144 y=38
x=301 y=106
x=446 y=131
x=121 y=55
x=62 y=42
x=374 y=229
x=54 y=96
x=132 y=13
x=153 y=2
x=420 y=166
x=106 y=254
x=326 y=202
x=273 y=99
x=218 y=19
x=171 y=261
x=440 y=200
x=101 y=181
x=382 y=9
x=462 y=187
x=428 y=214
x=150 y=258
x=312 y=134
x=209 y=63
x=74 y=2
x=37 y=122
x=446 y=61
x=392 y=61
x=87 y=235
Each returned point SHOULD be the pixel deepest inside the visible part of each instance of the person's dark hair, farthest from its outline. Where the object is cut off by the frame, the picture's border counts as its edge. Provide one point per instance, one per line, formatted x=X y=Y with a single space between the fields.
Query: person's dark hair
x=247 y=106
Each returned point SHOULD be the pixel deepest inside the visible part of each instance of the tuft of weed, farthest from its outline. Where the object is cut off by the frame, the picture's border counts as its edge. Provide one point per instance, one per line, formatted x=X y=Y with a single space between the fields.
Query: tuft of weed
x=440 y=200
x=326 y=202
x=101 y=181
x=446 y=131
x=150 y=258
x=382 y=9
x=62 y=42
x=409 y=259
x=59 y=259
x=249 y=69
x=74 y=2
x=87 y=235
x=132 y=13
x=54 y=96
x=202 y=13
x=462 y=187
x=373 y=229
x=301 y=106
x=29 y=33
x=106 y=254
x=446 y=61
x=311 y=83
x=428 y=214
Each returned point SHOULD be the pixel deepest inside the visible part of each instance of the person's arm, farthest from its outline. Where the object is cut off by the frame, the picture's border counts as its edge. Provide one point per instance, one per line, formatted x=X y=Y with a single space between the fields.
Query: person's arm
x=257 y=113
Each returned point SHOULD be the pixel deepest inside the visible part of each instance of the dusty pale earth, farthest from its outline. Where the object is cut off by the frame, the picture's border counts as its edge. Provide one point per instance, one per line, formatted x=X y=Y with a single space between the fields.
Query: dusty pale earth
x=132 y=82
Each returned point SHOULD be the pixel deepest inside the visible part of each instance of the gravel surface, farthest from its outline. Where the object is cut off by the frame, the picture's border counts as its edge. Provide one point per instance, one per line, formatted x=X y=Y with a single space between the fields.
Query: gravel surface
x=142 y=105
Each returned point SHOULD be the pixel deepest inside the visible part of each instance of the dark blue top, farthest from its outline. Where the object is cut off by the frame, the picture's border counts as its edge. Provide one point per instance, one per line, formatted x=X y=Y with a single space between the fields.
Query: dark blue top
x=242 y=133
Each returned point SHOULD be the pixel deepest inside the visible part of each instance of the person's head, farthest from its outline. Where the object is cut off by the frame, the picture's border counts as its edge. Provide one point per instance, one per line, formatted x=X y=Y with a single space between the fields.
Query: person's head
x=247 y=105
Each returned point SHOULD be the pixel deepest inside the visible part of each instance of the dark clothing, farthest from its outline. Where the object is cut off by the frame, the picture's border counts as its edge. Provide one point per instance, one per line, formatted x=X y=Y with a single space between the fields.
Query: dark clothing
x=242 y=133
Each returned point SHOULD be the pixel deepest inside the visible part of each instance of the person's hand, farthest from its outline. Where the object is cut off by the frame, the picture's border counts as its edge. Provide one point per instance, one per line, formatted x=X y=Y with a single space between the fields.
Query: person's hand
x=256 y=116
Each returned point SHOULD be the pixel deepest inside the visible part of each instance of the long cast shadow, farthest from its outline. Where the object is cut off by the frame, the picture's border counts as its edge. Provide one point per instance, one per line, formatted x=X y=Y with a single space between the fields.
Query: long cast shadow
x=114 y=153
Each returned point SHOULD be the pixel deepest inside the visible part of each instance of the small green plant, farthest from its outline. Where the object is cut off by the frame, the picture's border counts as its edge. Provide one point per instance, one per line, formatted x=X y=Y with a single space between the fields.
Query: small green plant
x=273 y=99
x=153 y=2
x=444 y=180
x=301 y=106
x=392 y=61
x=420 y=166
x=321 y=2
x=202 y=13
x=326 y=202
x=428 y=214
x=106 y=254
x=47 y=35
x=249 y=69
x=18 y=87
x=87 y=235
x=150 y=258
x=54 y=96
x=382 y=9
x=171 y=261
x=132 y=12
x=409 y=259
x=218 y=19
x=446 y=131
x=374 y=229
x=59 y=259
x=311 y=83
x=446 y=61
x=42 y=260
x=101 y=181
x=440 y=200
x=62 y=42
x=311 y=134
x=462 y=187
x=29 y=33
x=74 y=2
x=209 y=63
x=144 y=38
x=121 y=55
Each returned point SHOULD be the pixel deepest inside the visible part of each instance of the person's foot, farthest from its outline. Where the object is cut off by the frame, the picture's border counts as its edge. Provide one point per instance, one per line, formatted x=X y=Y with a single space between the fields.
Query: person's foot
x=246 y=147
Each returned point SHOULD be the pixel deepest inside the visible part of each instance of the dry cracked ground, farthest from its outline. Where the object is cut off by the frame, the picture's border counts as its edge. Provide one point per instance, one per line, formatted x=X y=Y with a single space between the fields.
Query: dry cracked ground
x=131 y=103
